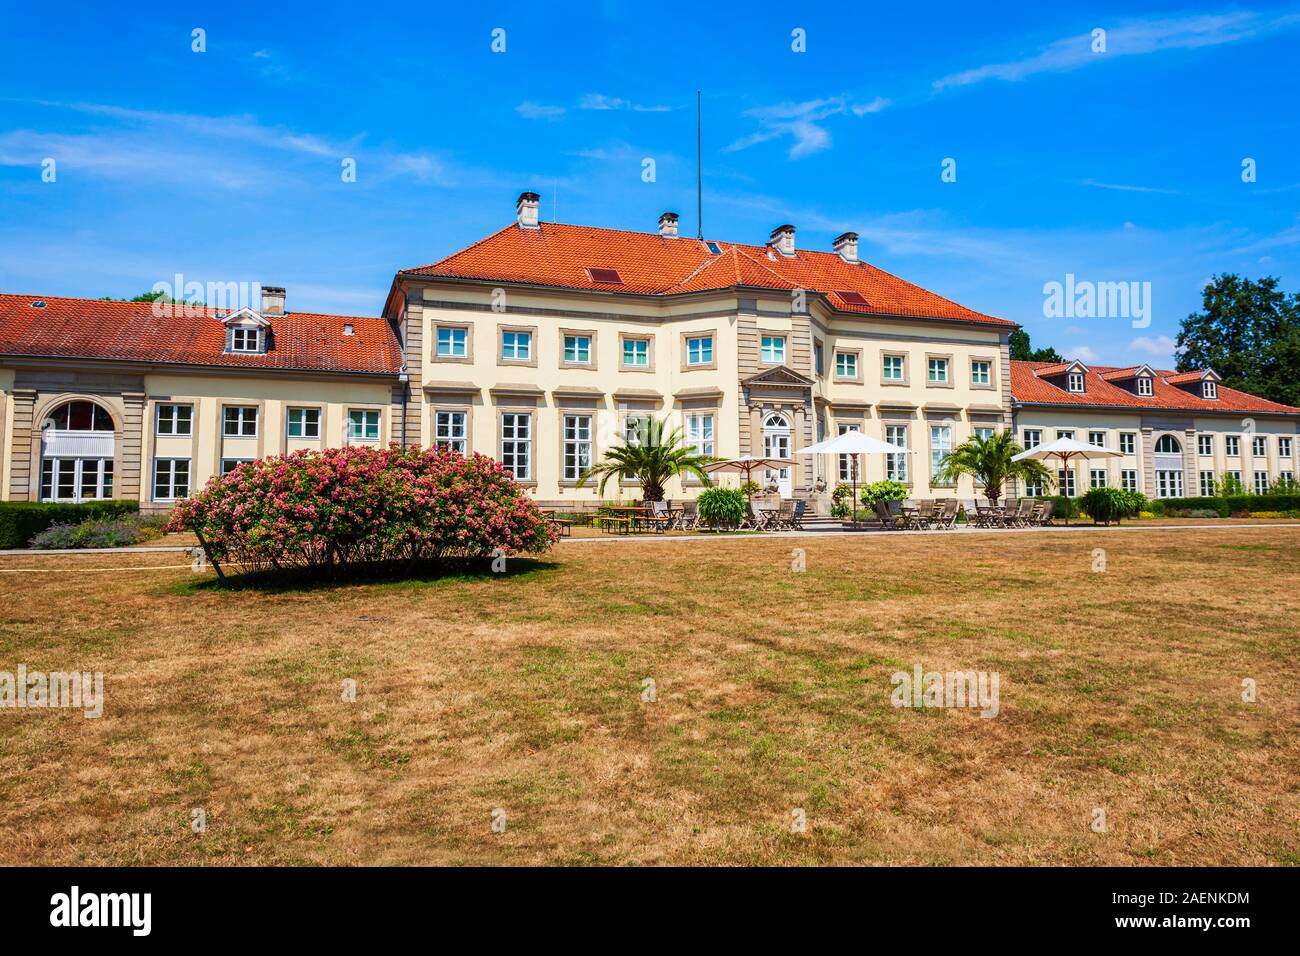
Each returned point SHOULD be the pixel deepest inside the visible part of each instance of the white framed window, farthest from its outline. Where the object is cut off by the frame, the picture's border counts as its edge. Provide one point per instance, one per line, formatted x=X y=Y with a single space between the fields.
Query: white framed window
x=699 y=433
x=1097 y=478
x=517 y=346
x=845 y=462
x=981 y=373
x=363 y=424
x=984 y=432
x=1232 y=445
x=171 y=479
x=1075 y=381
x=846 y=364
x=1065 y=481
x=1127 y=442
x=891 y=368
x=303 y=423
x=76 y=479
x=774 y=349
x=699 y=350
x=1286 y=476
x=636 y=353
x=940 y=445
x=937 y=371
x=896 y=464
x=818 y=357
x=1032 y=489
x=239 y=421
x=230 y=464
x=1283 y=447
x=1259 y=446
x=1205 y=445
x=453 y=342
x=577 y=446
x=1207 y=484
x=1169 y=484
x=1168 y=445
x=1144 y=385
x=1209 y=390
x=577 y=349
x=1128 y=479
x=1261 y=482
x=245 y=340
x=1234 y=475
x=1097 y=439
x=449 y=431
x=1065 y=433
x=174 y=420
x=1033 y=438
x=517 y=444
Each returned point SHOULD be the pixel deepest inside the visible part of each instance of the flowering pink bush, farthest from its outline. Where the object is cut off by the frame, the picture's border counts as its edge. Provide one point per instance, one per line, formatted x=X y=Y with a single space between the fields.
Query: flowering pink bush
x=344 y=507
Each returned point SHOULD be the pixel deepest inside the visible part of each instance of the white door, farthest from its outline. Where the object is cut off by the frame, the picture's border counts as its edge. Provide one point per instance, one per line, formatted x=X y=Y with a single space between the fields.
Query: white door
x=776 y=444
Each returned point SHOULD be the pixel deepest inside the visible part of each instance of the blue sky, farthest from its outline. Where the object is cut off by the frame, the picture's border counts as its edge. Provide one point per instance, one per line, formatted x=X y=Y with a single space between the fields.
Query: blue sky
x=1123 y=165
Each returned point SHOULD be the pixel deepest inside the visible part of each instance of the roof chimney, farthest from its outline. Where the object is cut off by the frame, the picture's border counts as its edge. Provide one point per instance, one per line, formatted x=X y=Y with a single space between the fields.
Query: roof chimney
x=782 y=239
x=846 y=246
x=668 y=225
x=272 y=300
x=526 y=210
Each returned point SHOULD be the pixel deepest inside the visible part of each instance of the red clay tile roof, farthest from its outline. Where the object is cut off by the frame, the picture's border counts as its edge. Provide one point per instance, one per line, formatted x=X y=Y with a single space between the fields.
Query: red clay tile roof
x=1120 y=374
x=558 y=254
x=1029 y=388
x=1182 y=378
x=129 y=331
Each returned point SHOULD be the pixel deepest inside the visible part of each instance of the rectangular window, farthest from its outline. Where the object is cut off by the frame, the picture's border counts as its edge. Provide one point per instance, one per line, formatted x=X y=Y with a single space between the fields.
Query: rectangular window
x=1128 y=479
x=1097 y=478
x=984 y=432
x=577 y=349
x=577 y=446
x=940 y=445
x=699 y=433
x=1207 y=484
x=453 y=343
x=773 y=349
x=449 y=431
x=1065 y=433
x=363 y=424
x=1284 y=447
x=1076 y=381
x=303 y=423
x=1033 y=438
x=1259 y=446
x=239 y=421
x=937 y=371
x=896 y=464
x=981 y=373
x=1205 y=445
x=171 y=479
x=699 y=351
x=517 y=444
x=76 y=479
x=1097 y=439
x=1287 y=476
x=174 y=419
x=1261 y=482
x=1065 y=482
x=245 y=340
x=636 y=353
x=1033 y=489
x=891 y=368
x=1234 y=476
x=1169 y=484
x=230 y=464
x=1144 y=385
x=516 y=346
x=818 y=363
x=1210 y=390
x=846 y=365
x=1231 y=445
x=845 y=462
x=1127 y=442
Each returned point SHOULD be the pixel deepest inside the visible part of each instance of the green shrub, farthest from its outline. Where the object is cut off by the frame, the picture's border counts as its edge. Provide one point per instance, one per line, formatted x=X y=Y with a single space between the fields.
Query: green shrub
x=96 y=533
x=20 y=521
x=1228 y=486
x=883 y=491
x=721 y=507
x=1288 y=487
x=1106 y=504
x=1063 y=507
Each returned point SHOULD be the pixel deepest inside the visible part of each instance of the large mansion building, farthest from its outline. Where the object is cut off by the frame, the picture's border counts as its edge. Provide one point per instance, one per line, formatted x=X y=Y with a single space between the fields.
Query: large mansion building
x=544 y=344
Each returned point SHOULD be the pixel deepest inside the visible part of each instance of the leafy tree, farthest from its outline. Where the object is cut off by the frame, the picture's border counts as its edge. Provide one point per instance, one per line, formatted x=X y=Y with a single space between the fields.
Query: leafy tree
x=1249 y=332
x=652 y=457
x=989 y=462
x=162 y=297
x=1022 y=352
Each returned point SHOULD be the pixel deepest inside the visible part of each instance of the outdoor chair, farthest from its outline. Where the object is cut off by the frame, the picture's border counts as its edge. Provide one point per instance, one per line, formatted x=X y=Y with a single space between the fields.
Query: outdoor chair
x=1048 y=509
x=689 y=518
x=784 y=516
x=888 y=519
x=1024 y=512
x=920 y=517
x=946 y=514
x=796 y=517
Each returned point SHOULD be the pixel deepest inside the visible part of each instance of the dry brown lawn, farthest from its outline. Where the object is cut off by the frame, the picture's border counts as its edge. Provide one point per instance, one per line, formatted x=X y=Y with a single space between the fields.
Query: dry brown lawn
x=1119 y=690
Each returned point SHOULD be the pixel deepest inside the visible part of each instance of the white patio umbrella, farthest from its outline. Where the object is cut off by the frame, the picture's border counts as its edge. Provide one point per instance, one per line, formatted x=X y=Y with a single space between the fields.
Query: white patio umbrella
x=1067 y=449
x=854 y=443
x=745 y=465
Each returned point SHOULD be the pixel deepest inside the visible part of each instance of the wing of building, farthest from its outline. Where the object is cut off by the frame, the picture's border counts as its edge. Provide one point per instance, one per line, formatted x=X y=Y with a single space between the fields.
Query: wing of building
x=544 y=344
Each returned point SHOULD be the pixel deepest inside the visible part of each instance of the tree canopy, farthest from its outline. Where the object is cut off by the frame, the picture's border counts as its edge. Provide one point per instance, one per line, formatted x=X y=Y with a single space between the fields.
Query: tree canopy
x=1021 y=350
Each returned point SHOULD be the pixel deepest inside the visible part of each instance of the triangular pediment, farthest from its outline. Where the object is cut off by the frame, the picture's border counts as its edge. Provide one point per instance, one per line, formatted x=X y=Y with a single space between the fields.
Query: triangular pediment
x=246 y=316
x=780 y=376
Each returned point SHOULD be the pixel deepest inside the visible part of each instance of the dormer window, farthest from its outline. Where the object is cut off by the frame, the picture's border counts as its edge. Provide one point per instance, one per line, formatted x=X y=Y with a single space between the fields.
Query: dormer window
x=1209 y=390
x=1074 y=382
x=1144 y=385
x=245 y=340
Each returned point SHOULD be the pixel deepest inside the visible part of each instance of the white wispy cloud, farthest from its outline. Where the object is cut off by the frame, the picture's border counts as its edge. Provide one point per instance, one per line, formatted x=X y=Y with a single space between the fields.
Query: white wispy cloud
x=1129 y=38
x=531 y=110
x=1159 y=346
x=1084 y=353
x=874 y=106
x=802 y=122
x=1123 y=187
x=599 y=101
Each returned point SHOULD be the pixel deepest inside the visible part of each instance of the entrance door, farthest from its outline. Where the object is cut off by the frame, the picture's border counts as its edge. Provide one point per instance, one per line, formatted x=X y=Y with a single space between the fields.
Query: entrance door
x=776 y=444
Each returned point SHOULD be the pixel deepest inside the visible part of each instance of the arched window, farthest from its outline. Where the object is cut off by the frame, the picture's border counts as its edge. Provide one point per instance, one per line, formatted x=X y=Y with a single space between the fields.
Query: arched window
x=77 y=448
x=81 y=417
x=775 y=420
x=1168 y=445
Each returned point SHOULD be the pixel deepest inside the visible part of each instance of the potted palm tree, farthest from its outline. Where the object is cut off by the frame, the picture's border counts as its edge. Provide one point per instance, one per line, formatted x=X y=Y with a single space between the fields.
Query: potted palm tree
x=989 y=462
x=652 y=456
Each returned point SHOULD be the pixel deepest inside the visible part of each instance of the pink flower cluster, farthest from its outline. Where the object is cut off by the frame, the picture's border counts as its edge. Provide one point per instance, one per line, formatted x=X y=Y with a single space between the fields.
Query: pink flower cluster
x=359 y=505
